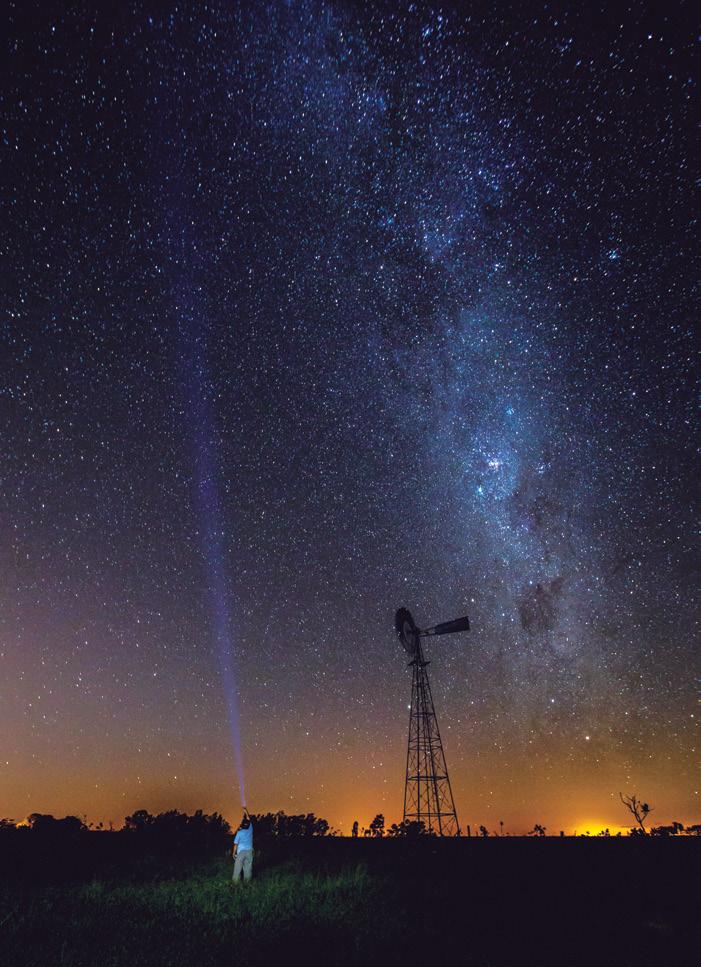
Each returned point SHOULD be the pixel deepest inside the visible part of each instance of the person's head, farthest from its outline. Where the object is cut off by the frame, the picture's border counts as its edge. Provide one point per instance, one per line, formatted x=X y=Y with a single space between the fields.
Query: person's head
x=245 y=822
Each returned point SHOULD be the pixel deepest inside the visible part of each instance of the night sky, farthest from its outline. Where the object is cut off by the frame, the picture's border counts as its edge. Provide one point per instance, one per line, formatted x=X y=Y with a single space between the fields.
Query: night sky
x=311 y=310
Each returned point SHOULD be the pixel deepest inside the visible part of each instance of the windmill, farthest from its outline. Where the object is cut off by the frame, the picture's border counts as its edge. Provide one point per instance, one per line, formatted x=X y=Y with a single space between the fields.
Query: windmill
x=428 y=797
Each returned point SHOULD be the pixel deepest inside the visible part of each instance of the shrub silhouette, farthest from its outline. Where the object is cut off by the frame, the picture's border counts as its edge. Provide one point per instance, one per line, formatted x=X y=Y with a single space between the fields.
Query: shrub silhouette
x=377 y=826
x=409 y=828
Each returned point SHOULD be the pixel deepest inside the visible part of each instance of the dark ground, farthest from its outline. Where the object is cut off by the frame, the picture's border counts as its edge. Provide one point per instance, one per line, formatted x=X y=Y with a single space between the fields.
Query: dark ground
x=102 y=900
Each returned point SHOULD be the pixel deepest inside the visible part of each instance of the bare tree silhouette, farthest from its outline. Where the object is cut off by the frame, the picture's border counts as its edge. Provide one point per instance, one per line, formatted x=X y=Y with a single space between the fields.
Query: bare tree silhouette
x=640 y=810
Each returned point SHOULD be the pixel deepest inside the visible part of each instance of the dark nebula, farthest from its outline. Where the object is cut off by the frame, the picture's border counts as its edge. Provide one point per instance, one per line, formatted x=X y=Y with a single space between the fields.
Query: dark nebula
x=537 y=606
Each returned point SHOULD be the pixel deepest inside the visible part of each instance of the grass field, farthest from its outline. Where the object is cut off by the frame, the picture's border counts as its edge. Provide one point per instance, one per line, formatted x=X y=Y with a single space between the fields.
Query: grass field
x=340 y=903
x=200 y=919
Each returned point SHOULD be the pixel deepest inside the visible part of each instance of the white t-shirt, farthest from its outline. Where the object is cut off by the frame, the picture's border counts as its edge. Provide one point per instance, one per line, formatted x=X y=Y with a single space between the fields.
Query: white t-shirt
x=244 y=838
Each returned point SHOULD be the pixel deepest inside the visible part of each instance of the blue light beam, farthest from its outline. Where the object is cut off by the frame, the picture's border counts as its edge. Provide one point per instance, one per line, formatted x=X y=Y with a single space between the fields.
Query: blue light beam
x=211 y=531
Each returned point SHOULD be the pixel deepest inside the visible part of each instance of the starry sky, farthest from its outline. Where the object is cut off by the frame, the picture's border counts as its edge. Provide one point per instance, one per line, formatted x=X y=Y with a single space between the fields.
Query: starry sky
x=309 y=310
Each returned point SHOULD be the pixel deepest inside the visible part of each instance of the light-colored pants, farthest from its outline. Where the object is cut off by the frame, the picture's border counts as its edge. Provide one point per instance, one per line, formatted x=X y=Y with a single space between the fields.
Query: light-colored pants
x=243 y=864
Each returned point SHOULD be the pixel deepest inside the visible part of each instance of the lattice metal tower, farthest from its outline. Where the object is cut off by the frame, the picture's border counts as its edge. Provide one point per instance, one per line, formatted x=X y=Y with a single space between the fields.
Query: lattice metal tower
x=428 y=797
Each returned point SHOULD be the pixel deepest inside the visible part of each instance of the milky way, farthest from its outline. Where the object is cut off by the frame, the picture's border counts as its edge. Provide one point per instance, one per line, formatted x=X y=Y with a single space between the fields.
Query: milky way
x=412 y=288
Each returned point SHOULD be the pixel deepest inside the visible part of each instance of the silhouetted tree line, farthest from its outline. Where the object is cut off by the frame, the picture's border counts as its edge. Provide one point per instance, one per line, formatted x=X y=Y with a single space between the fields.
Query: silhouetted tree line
x=46 y=824
x=212 y=832
x=408 y=829
x=280 y=824
x=175 y=827
x=412 y=828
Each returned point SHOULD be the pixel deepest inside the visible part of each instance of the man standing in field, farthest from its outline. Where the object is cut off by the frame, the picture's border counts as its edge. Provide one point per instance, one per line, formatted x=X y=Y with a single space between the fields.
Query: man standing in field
x=243 y=849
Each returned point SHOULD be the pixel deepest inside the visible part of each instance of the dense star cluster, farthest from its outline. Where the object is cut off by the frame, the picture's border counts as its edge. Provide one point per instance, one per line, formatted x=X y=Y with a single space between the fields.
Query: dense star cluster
x=315 y=309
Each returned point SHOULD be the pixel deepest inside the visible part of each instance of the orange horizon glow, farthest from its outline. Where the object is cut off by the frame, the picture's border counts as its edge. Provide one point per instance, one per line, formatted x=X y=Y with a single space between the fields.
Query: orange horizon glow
x=349 y=780
x=363 y=813
x=586 y=828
